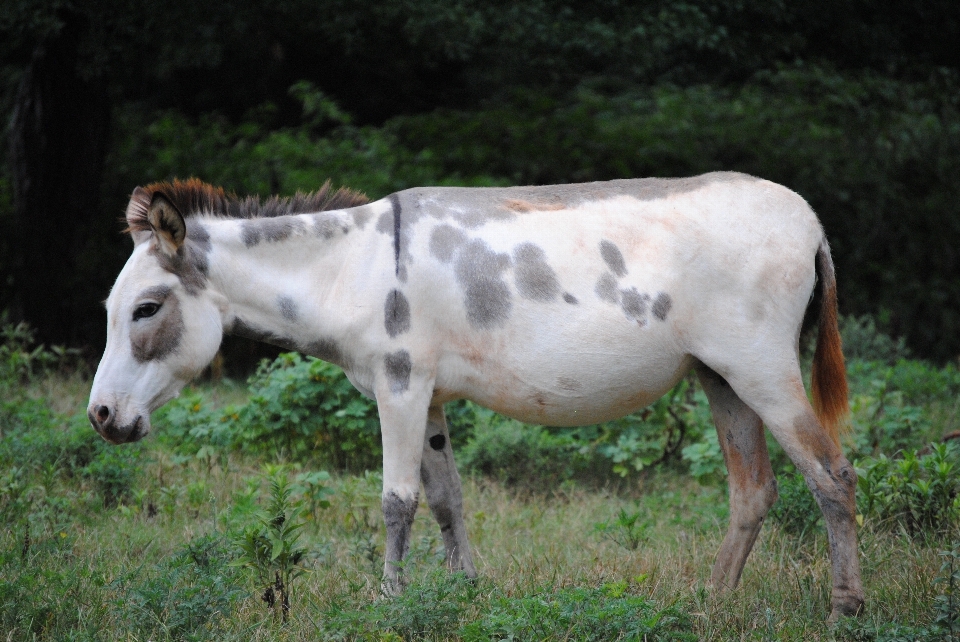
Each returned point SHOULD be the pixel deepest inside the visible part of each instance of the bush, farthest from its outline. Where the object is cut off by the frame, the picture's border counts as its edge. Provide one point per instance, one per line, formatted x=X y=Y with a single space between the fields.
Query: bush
x=863 y=341
x=520 y=455
x=305 y=406
x=918 y=493
x=796 y=511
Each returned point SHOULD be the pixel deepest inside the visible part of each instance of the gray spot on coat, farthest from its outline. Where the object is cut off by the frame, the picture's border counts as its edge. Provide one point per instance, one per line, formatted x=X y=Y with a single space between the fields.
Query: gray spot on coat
x=397 y=233
x=535 y=279
x=362 y=215
x=486 y=295
x=396 y=313
x=325 y=349
x=569 y=298
x=661 y=306
x=613 y=257
x=606 y=288
x=189 y=265
x=156 y=337
x=398 y=517
x=385 y=223
x=287 y=307
x=271 y=230
x=326 y=225
x=398 y=367
x=634 y=305
x=241 y=328
x=445 y=240
x=568 y=384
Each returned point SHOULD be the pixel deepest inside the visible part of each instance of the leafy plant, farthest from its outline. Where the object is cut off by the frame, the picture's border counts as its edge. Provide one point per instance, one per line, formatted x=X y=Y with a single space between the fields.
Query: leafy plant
x=430 y=608
x=863 y=341
x=628 y=529
x=187 y=596
x=520 y=455
x=919 y=493
x=796 y=510
x=883 y=422
x=585 y=614
x=657 y=433
x=271 y=548
x=705 y=457
x=304 y=407
x=114 y=472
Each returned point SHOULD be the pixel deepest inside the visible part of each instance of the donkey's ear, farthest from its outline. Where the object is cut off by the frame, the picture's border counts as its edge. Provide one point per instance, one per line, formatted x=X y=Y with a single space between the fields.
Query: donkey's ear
x=136 y=216
x=167 y=224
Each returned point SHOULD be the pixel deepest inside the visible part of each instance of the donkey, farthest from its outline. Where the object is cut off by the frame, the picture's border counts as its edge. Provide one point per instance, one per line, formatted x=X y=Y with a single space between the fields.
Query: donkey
x=561 y=305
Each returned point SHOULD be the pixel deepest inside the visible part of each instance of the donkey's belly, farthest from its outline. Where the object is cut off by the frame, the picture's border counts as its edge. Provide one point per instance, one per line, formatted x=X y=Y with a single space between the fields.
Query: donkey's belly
x=574 y=389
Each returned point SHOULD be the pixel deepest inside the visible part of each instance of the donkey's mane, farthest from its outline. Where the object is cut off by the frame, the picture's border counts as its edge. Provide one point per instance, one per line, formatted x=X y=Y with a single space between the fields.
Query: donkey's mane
x=194 y=197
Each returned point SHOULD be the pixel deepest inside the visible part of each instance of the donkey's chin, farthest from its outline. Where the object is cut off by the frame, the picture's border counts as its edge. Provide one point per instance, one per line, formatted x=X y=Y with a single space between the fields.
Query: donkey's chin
x=134 y=431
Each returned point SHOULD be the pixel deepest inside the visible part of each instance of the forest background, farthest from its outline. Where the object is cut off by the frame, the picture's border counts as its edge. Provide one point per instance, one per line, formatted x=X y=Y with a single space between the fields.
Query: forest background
x=853 y=104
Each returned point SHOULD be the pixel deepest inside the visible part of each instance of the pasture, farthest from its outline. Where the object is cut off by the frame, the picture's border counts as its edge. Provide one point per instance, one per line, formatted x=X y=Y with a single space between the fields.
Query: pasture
x=579 y=534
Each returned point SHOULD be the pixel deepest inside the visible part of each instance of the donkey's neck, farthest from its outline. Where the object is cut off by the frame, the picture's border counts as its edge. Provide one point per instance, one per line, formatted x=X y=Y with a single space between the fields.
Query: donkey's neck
x=282 y=278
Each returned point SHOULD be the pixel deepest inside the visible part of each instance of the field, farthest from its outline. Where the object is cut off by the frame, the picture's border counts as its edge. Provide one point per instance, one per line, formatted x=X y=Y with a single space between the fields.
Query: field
x=577 y=535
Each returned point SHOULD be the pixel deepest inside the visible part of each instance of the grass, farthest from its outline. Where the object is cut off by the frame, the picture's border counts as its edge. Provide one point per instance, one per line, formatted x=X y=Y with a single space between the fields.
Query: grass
x=160 y=562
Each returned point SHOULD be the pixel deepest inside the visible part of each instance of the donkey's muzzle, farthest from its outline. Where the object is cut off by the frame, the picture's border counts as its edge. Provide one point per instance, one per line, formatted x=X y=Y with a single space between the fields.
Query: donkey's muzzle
x=103 y=420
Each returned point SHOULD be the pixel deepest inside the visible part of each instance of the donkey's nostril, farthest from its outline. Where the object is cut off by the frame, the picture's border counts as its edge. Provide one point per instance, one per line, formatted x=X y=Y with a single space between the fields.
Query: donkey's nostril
x=103 y=413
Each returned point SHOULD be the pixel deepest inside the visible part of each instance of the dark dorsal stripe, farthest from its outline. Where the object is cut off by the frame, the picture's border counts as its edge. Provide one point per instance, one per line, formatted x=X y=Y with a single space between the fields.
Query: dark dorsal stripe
x=193 y=196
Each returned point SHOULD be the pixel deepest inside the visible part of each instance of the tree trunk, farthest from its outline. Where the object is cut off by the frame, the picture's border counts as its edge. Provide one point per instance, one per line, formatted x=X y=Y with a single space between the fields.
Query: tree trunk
x=58 y=144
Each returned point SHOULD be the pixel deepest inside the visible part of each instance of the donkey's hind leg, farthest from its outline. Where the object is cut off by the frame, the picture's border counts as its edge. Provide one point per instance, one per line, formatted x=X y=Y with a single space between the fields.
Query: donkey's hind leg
x=778 y=397
x=441 y=482
x=753 y=487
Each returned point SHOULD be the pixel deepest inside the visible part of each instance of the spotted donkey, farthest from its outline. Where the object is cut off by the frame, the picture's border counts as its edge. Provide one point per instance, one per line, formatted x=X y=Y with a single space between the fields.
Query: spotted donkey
x=559 y=305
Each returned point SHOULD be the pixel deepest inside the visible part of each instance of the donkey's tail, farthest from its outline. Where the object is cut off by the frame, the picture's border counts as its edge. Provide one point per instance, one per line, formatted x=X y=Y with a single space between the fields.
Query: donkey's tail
x=829 y=376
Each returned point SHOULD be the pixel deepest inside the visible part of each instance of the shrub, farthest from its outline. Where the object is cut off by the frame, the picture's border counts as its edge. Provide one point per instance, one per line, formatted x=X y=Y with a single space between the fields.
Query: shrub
x=863 y=341
x=918 y=493
x=883 y=420
x=796 y=511
x=305 y=407
x=520 y=455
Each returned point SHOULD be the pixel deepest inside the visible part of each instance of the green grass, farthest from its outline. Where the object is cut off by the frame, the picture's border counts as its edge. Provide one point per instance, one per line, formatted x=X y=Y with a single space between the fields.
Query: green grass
x=83 y=570
x=140 y=543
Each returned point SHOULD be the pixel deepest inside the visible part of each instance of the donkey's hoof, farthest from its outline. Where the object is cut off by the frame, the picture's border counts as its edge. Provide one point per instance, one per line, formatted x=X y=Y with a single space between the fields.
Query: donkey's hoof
x=392 y=588
x=848 y=607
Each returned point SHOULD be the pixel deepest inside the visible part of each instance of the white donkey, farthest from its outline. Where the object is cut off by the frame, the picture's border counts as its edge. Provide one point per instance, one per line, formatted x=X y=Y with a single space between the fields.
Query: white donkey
x=559 y=305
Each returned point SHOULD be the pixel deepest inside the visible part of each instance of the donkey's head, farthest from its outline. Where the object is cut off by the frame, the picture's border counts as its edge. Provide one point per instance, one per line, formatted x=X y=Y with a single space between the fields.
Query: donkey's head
x=163 y=323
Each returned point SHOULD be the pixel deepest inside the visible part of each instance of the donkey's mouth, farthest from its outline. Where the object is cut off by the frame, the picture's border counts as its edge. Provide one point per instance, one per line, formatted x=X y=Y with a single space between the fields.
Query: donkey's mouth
x=126 y=434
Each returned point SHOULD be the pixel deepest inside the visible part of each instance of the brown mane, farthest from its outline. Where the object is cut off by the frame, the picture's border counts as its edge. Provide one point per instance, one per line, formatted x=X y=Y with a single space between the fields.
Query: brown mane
x=193 y=197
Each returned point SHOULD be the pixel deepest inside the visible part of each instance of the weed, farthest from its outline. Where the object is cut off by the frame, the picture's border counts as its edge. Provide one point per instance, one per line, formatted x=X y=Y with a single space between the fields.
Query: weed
x=271 y=548
x=628 y=529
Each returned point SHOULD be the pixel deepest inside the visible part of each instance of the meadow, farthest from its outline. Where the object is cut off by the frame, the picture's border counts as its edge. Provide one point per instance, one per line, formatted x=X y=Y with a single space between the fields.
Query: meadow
x=252 y=512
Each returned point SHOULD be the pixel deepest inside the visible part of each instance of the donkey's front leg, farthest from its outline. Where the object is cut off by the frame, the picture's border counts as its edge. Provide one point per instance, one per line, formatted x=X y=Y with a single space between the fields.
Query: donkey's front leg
x=402 y=400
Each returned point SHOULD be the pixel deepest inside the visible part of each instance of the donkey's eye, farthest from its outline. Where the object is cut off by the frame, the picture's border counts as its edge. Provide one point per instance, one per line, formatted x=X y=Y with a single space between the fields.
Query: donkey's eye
x=145 y=310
